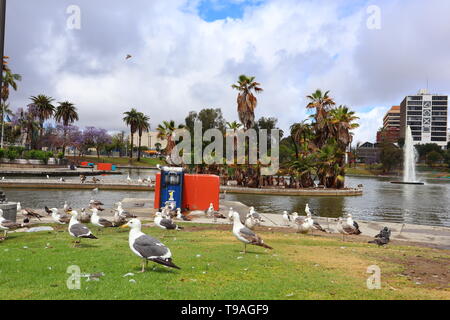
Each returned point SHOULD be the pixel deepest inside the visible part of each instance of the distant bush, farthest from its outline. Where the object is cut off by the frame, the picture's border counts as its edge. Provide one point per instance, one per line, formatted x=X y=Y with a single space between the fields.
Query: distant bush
x=38 y=155
x=60 y=155
x=12 y=154
x=2 y=153
x=18 y=150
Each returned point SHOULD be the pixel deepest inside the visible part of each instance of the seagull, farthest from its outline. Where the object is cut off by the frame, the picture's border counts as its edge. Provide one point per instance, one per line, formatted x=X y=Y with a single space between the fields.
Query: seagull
x=78 y=230
x=348 y=226
x=307 y=210
x=62 y=180
x=95 y=204
x=95 y=190
x=146 y=247
x=286 y=217
x=303 y=223
x=95 y=180
x=128 y=179
x=85 y=217
x=215 y=214
x=82 y=178
x=383 y=237
x=165 y=223
x=57 y=217
x=7 y=225
x=28 y=212
x=48 y=177
x=255 y=215
x=128 y=56
x=98 y=221
x=140 y=180
x=313 y=223
x=66 y=206
x=181 y=216
x=246 y=235
x=123 y=213
x=119 y=220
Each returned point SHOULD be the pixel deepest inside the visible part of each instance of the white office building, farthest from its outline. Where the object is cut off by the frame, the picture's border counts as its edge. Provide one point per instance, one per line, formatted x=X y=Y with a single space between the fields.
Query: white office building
x=426 y=114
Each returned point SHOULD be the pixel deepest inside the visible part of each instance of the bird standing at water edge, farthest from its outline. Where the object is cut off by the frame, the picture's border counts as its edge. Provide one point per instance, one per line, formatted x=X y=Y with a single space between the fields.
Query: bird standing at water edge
x=60 y=218
x=348 y=226
x=146 y=247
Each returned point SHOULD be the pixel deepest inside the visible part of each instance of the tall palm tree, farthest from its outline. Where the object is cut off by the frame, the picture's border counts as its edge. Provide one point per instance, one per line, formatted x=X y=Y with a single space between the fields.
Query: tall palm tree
x=66 y=113
x=143 y=125
x=323 y=104
x=246 y=100
x=131 y=119
x=44 y=109
x=9 y=79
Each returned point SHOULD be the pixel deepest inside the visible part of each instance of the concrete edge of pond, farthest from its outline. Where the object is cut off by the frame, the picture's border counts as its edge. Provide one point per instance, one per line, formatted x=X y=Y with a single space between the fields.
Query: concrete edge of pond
x=33 y=184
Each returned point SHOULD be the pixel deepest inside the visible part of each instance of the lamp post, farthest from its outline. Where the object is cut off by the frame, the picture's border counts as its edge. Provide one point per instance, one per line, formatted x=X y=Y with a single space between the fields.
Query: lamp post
x=2 y=51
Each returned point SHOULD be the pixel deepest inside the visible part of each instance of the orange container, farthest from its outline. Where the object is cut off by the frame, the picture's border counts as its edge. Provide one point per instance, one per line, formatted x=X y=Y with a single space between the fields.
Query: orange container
x=199 y=191
x=104 y=166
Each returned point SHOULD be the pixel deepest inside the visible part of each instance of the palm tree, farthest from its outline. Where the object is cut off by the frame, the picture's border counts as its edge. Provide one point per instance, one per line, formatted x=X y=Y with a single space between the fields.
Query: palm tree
x=131 y=119
x=165 y=132
x=45 y=110
x=142 y=125
x=9 y=79
x=246 y=101
x=342 y=120
x=323 y=104
x=66 y=112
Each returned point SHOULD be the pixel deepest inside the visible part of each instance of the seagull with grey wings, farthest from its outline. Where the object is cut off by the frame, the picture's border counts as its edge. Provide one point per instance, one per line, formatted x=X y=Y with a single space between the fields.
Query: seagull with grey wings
x=146 y=247
x=244 y=234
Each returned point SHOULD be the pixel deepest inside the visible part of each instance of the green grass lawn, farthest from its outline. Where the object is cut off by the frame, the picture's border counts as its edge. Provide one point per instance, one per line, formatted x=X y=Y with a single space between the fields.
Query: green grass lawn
x=124 y=161
x=33 y=266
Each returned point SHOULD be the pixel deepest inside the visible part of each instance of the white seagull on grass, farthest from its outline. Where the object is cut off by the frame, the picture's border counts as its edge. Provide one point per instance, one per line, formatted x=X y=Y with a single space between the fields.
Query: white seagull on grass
x=146 y=247
x=246 y=235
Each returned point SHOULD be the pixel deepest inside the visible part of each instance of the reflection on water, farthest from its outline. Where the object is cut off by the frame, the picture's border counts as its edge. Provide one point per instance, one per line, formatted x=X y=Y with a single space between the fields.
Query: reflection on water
x=382 y=201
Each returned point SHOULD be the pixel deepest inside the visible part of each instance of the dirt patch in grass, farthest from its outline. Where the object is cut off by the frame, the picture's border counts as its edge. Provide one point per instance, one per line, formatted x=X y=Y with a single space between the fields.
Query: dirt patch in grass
x=433 y=273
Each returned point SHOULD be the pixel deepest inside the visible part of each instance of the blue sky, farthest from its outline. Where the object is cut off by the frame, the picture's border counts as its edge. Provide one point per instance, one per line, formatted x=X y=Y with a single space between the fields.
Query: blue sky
x=212 y=10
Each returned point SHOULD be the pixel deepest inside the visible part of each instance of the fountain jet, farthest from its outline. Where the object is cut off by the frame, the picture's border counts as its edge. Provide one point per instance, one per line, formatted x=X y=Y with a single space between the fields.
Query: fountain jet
x=409 y=160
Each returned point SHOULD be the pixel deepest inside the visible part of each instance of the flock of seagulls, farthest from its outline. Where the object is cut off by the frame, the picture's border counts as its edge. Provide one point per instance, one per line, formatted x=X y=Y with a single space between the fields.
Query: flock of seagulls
x=152 y=249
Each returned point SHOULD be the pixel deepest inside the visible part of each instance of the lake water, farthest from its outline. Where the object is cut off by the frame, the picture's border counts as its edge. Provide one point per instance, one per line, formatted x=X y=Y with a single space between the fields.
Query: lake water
x=381 y=201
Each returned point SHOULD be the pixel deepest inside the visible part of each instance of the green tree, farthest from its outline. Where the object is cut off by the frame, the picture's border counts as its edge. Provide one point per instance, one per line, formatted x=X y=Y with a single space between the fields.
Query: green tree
x=143 y=125
x=131 y=119
x=9 y=80
x=391 y=157
x=246 y=100
x=44 y=109
x=433 y=157
x=66 y=113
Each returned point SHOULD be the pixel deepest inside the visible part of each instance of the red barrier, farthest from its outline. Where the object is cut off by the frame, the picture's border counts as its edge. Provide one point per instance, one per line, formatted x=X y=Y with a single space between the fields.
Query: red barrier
x=104 y=166
x=199 y=191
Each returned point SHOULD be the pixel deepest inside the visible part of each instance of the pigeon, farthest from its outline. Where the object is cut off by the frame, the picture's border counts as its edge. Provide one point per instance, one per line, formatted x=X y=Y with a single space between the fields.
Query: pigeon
x=382 y=238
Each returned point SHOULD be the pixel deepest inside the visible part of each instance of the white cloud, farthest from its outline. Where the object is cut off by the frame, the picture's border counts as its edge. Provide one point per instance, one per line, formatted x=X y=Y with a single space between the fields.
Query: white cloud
x=181 y=62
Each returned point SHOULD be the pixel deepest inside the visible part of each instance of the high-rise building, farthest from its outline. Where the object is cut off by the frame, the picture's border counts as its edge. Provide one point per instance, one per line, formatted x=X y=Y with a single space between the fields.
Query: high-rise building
x=426 y=114
x=391 y=126
x=392 y=118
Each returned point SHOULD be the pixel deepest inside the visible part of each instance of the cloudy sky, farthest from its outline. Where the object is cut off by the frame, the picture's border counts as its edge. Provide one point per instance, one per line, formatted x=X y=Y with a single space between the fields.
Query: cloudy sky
x=187 y=53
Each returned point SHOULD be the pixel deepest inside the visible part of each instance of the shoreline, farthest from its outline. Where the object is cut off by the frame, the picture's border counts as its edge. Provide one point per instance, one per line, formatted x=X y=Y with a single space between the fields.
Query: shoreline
x=40 y=184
